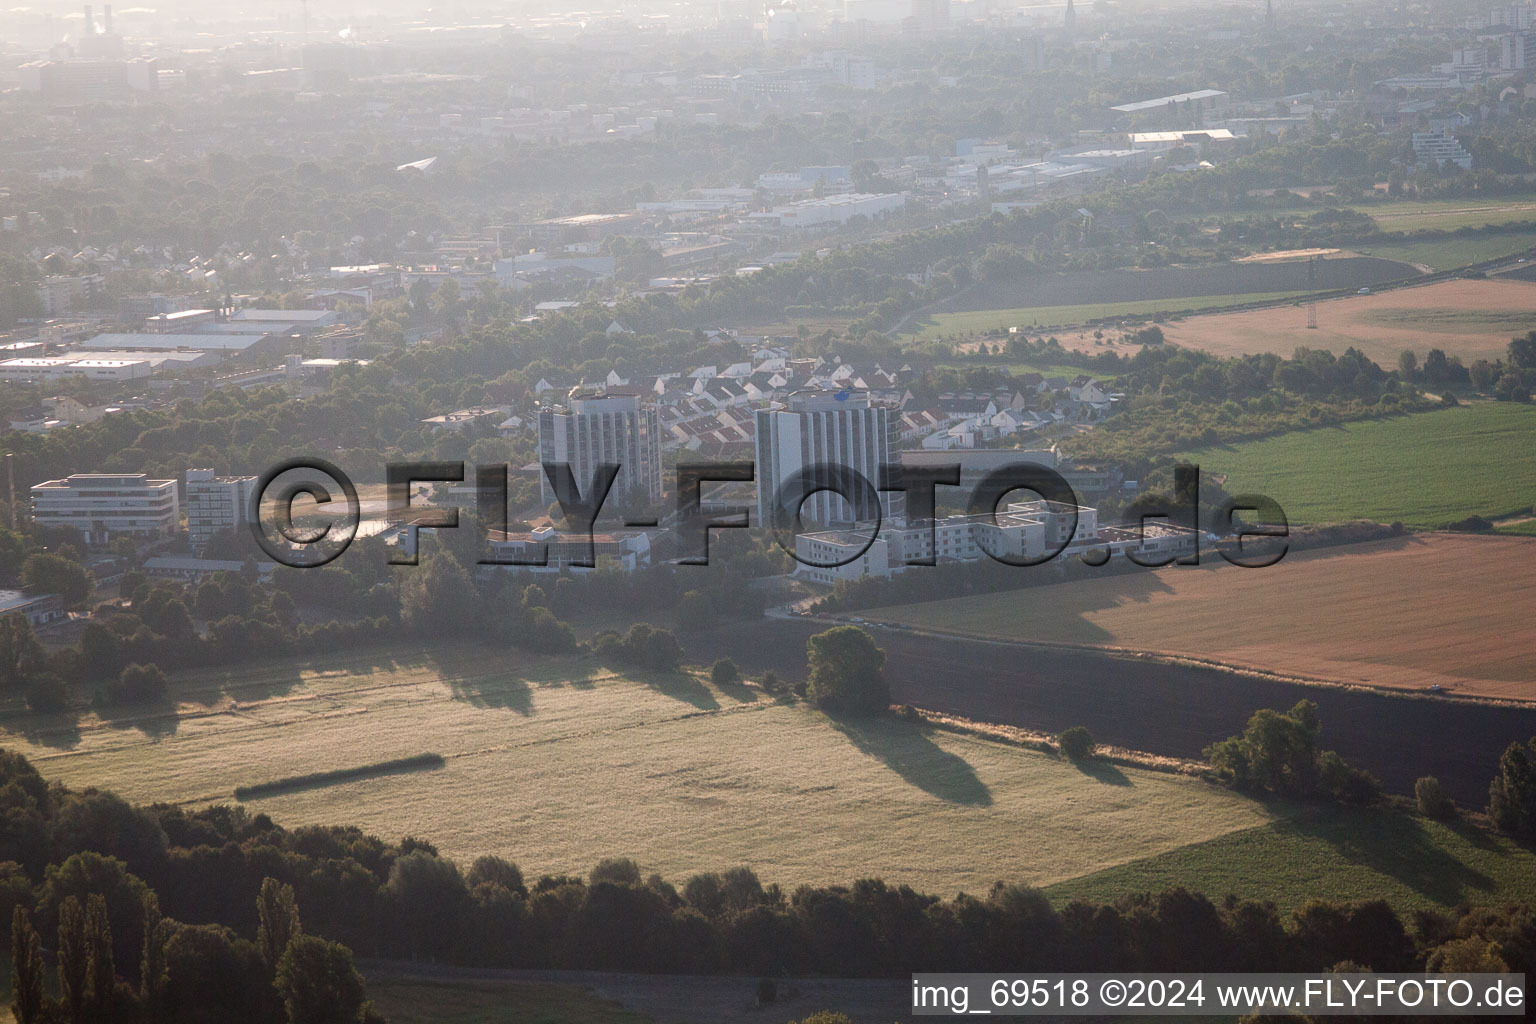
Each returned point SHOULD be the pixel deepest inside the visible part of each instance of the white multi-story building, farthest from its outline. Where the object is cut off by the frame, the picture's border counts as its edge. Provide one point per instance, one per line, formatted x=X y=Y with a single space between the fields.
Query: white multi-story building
x=107 y=505
x=825 y=428
x=609 y=427
x=1439 y=148
x=216 y=504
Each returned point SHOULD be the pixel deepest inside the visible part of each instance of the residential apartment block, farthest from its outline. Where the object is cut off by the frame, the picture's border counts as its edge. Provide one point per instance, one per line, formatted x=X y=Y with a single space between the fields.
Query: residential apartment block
x=606 y=427
x=838 y=428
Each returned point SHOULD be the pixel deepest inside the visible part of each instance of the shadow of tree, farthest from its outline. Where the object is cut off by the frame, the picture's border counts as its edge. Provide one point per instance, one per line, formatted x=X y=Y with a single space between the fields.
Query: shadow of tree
x=1103 y=771
x=472 y=679
x=741 y=693
x=1395 y=844
x=908 y=751
x=678 y=684
x=60 y=731
x=509 y=691
x=156 y=719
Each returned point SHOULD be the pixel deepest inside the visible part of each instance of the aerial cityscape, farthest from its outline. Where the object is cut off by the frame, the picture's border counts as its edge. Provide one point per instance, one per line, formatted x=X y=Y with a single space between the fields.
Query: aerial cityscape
x=789 y=512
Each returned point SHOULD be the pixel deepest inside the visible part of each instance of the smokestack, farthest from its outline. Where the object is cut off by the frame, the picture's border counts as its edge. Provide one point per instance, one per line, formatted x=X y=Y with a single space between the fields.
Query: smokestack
x=106 y=18
x=90 y=25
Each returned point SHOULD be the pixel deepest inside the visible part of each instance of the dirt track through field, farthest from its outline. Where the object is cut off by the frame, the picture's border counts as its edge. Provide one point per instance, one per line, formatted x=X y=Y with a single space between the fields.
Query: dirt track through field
x=1170 y=709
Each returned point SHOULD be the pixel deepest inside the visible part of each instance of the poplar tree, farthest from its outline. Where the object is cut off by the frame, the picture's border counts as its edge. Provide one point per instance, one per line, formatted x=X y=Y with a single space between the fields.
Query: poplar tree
x=26 y=969
x=73 y=961
x=279 y=913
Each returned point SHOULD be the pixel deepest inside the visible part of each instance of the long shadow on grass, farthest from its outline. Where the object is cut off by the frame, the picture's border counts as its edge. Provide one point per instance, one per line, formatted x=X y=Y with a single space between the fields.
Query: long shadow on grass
x=1102 y=771
x=60 y=730
x=909 y=752
x=1395 y=844
x=470 y=680
x=677 y=684
x=156 y=718
x=506 y=690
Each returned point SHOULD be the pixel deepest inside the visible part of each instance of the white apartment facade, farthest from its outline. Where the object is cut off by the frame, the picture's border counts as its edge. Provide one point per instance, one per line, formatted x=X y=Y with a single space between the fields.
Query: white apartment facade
x=833 y=428
x=103 y=506
x=605 y=428
x=216 y=504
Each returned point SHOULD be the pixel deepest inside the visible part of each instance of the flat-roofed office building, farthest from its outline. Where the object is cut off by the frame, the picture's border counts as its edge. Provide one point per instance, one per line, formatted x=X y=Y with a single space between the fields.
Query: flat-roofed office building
x=107 y=505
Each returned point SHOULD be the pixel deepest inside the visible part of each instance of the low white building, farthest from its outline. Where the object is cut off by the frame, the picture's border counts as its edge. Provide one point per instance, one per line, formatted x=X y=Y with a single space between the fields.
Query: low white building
x=1024 y=531
x=836 y=209
x=57 y=368
x=627 y=549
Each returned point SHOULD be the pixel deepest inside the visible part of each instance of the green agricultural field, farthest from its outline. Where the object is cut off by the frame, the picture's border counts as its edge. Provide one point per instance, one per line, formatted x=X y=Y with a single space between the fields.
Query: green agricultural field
x=1337 y=853
x=1449 y=214
x=1450 y=253
x=1424 y=469
x=557 y=763
x=981 y=321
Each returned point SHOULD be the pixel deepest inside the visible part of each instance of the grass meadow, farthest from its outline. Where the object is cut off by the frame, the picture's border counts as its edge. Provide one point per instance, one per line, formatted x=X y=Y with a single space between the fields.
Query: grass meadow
x=1038 y=318
x=1450 y=214
x=1338 y=853
x=1424 y=470
x=557 y=763
x=1450 y=253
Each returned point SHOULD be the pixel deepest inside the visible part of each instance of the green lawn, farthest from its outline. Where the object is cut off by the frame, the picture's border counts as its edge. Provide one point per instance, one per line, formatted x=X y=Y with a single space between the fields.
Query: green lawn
x=1450 y=253
x=1334 y=853
x=1424 y=469
x=1525 y=529
x=981 y=321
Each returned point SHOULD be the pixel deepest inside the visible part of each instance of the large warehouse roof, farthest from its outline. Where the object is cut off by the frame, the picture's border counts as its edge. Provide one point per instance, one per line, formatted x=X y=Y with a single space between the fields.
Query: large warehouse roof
x=222 y=342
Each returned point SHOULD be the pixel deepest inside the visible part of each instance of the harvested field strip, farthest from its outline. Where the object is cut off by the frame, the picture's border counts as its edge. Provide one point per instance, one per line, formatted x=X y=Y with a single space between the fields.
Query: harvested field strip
x=1471 y=319
x=319 y=780
x=1405 y=613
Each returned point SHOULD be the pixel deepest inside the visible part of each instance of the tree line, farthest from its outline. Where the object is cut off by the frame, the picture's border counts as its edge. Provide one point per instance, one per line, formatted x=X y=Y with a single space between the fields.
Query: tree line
x=222 y=870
